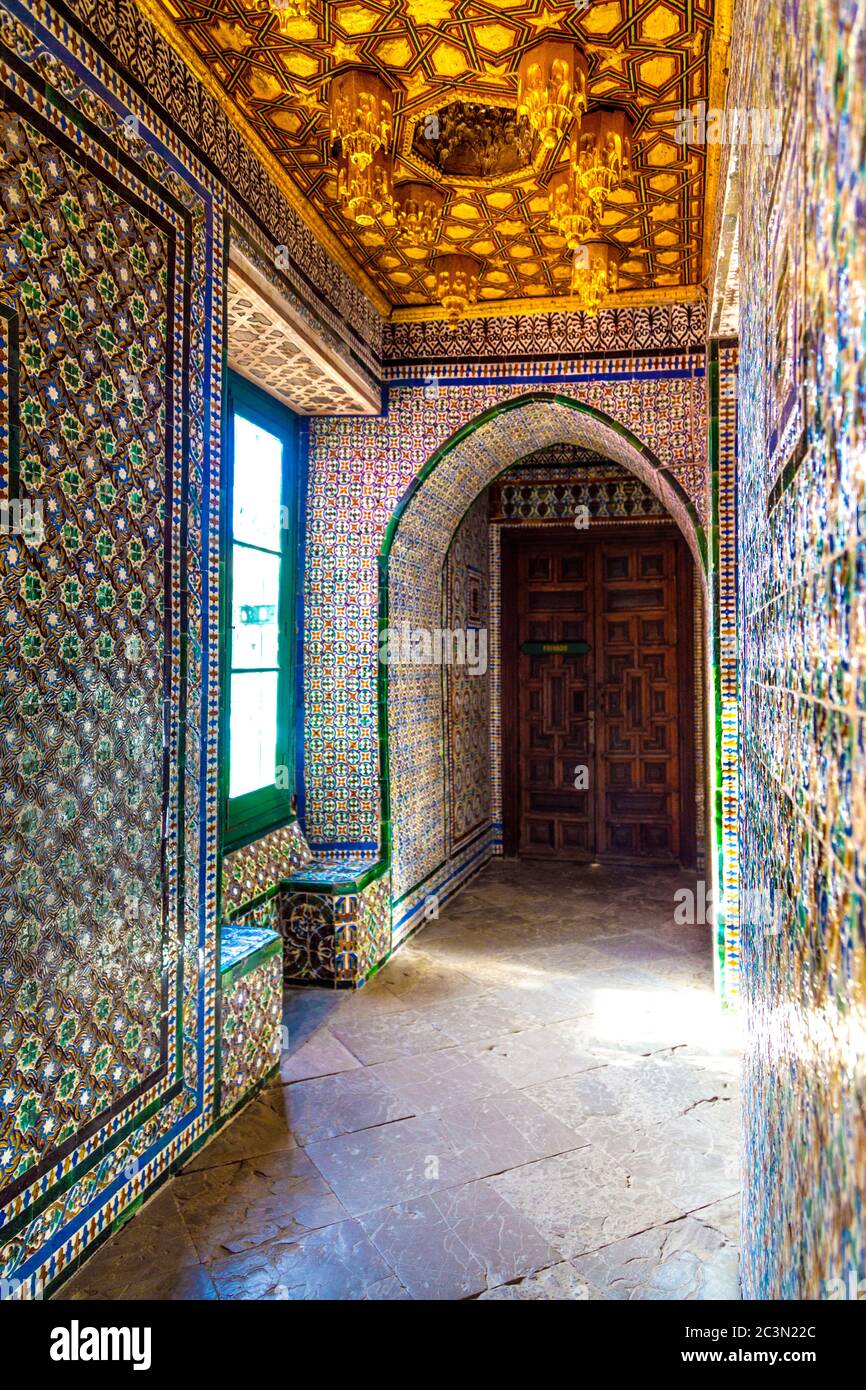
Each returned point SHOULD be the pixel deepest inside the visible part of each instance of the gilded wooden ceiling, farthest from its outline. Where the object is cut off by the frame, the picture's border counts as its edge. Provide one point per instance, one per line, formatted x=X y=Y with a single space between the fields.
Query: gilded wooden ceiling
x=652 y=57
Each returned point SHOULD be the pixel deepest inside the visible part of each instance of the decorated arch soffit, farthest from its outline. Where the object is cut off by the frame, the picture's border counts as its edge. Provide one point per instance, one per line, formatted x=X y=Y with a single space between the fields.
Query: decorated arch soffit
x=653 y=58
x=476 y=455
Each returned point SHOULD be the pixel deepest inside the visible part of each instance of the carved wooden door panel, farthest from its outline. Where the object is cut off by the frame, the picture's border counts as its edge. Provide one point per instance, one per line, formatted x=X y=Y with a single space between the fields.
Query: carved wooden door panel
x=555 y=694
x=638 y=801
x=597 y=734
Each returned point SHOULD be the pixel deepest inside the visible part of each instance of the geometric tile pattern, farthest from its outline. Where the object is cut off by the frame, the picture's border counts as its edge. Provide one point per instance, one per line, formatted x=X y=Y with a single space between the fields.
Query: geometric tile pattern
x=466 y=582
x=513 y=338
x=651 y=59
x=110 y=248
x=337 y=936
x=259 y=867
x=802 y=613
x=724 y=582
x=359 y=470
x=8 y=383
x=251 y=1010
x=82 y=621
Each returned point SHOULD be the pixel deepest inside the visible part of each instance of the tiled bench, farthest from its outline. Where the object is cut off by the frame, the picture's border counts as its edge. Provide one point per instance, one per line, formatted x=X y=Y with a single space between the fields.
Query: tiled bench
x=335 y=921
x=251 y=1009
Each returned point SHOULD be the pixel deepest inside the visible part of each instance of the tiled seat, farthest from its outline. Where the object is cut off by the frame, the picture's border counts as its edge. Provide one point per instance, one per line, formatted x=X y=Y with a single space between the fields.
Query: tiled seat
x=335 y=921
x=251 y=1009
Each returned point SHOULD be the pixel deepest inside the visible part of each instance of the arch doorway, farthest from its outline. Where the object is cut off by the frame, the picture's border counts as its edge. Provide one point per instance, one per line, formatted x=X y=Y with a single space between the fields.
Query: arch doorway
x=418 y=766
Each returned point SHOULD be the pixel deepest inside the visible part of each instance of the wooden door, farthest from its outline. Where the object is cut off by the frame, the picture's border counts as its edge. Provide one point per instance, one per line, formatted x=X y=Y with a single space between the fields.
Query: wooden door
x=596 y=755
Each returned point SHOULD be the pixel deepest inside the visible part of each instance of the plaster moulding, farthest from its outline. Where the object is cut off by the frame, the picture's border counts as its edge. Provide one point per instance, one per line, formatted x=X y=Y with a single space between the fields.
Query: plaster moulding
x=269 y=344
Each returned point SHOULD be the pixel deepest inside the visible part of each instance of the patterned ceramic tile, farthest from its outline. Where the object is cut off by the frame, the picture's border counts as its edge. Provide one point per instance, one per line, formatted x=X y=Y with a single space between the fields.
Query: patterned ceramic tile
x=802 y=591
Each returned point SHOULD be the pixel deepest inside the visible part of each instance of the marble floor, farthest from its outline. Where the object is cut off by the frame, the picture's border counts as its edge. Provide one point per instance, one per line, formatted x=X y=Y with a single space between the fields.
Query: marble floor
x=536 y=1099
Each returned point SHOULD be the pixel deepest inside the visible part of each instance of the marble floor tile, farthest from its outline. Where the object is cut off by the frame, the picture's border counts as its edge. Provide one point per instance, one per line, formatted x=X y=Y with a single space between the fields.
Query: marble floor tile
x=157 y=1281
x=321 y=1055
x=504 y=1131
x=417 y=980
x=259 y=1129
x=535 y=1100
x=683 y=1261
x=391 y=1164
x=151 y=1257
x=559 y=1283
x=689 y=1159
x=382 y=1038
x=305 y=1011
x=439 y=1079
x=640 y=948
x=483 y=1016
x=537 y=1055
x=535 y=1000
x=631 y=1093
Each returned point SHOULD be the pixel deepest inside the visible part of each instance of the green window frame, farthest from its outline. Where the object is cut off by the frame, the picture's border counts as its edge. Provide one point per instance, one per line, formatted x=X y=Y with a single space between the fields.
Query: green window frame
x=249 y=812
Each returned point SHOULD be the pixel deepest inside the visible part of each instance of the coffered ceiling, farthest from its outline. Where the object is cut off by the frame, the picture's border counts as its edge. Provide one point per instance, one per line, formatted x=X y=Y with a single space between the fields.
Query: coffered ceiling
x=651 y=57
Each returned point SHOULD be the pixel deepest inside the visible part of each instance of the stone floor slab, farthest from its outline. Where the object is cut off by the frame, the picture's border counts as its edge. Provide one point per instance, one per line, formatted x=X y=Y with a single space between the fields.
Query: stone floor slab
x=326 y=1106
x=582 y=1200
x=321 y=1055
x=338 y=1263
x=683 y=1261
x=239 y=1206
x=457 y=1243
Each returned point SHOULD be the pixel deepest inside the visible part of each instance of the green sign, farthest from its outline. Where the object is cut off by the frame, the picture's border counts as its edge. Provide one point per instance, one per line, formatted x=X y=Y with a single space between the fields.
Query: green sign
x=554 y=648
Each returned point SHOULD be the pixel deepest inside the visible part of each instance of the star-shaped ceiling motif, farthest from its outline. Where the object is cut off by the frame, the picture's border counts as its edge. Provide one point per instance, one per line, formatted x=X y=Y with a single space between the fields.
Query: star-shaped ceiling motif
x=650 y=57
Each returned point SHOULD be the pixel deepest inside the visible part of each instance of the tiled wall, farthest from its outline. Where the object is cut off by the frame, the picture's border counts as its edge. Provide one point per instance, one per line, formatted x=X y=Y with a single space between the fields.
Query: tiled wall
x=725 y=664
x=467 y=686
x=359 y=472
x=111 y=338
x=107 y=275
x=107 y=349
x=251 y=1010
x=802 y=575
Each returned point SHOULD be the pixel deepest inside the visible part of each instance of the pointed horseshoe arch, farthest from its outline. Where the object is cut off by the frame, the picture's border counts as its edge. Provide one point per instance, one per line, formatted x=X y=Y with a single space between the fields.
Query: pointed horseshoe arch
x=412 y=837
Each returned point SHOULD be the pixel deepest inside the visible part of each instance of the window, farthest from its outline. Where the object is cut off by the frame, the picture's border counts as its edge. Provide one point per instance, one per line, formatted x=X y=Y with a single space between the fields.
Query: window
x=260 y=507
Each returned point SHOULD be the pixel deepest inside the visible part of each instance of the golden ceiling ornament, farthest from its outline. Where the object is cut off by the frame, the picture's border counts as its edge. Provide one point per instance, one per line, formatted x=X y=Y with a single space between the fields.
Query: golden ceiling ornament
x=362 y=115
x=594 y=274
x=603 y=153
x=286 y=11
x=365 y=192
x=456 y=287
x=551 y=88
x=417 y=209
x=570 y=209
